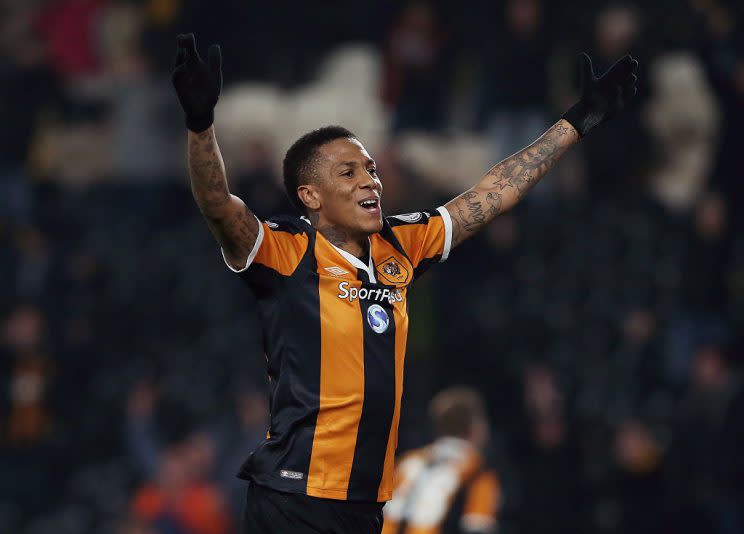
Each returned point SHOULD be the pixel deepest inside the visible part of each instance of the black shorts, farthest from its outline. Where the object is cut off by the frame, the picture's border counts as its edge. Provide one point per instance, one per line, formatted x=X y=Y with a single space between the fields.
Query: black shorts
x=273 y=512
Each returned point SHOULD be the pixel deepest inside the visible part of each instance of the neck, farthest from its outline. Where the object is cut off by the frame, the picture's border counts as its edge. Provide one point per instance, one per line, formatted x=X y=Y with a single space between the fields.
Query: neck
x=340 y=237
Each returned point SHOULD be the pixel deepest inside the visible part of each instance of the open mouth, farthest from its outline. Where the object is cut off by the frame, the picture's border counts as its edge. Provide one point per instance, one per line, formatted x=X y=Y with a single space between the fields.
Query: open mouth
x=372 y=205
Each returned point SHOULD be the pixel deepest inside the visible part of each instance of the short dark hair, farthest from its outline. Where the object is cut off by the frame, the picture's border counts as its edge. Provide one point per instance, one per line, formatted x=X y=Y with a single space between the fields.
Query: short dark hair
x=454 y=411
x=299 y=161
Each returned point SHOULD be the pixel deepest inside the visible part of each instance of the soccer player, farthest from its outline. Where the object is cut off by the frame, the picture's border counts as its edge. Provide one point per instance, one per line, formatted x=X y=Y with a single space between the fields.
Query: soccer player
x=445 y=488
x=332 y=286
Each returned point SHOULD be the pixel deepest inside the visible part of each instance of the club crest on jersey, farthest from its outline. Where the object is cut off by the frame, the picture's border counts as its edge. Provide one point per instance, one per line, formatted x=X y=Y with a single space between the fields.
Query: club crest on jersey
x=377 y=318
x=393 y=271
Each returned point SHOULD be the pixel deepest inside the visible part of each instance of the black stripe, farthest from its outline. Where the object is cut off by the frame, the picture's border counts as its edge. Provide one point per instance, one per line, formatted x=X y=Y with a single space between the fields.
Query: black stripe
x=378 y=408
x=424 y=265
x=305 y=373
x=453 y=518
x=290 y=224
x=388 y=235
x=294 y=369
x=364 y=277
x=263 y=280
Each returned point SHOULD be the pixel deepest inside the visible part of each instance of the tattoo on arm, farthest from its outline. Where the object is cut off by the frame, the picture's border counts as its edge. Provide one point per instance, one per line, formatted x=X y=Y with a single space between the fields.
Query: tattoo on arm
x=470 y=210
x=494 y=203
x=236 y=231
x=230 y=221
x=207 y=172
x=508 y=181
x=240 y=231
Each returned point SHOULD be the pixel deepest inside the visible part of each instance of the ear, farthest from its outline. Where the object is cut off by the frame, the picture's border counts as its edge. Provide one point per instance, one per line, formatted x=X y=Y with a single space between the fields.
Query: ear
x=309 y=195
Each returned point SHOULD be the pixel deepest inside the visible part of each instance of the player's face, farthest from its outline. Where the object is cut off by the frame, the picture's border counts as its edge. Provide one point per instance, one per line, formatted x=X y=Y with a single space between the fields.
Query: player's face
x=350 y=190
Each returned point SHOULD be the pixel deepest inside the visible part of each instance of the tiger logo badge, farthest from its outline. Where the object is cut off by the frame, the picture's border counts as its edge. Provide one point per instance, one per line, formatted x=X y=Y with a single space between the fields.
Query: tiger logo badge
x=393 y=271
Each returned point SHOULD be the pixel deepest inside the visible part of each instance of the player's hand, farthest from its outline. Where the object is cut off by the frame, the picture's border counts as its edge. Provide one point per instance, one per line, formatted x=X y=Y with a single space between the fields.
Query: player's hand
x=602 y=96
x=197 y=84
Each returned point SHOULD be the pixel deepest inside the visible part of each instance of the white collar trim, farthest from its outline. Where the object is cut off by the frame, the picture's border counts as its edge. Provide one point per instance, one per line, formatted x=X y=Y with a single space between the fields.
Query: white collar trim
x=356 y=262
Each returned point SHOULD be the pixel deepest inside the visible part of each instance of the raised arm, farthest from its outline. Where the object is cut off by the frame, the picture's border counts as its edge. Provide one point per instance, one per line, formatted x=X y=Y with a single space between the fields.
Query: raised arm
x=229 y=219
x=506 y=183
x=198 y=86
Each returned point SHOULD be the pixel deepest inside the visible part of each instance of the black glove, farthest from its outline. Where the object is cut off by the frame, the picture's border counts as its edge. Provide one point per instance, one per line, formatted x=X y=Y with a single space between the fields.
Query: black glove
x=197 y=84
x=602 y=97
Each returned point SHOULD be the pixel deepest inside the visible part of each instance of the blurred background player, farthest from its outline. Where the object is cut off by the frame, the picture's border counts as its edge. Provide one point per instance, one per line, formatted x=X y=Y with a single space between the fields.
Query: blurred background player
x=445 y=487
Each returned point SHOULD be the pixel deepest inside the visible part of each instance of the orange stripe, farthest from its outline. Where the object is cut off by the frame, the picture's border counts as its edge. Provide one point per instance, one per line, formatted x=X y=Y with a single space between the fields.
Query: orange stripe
x=483 y=497
x=282 y=251
x=392 y=527
x=385 y=491
x=389 y=526
x=423 y=530
x=341 y=385
x=422 y=241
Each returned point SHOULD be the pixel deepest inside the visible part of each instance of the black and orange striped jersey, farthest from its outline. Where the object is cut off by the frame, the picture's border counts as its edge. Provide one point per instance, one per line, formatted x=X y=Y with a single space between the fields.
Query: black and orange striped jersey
x=443 y=489
x=334 y=333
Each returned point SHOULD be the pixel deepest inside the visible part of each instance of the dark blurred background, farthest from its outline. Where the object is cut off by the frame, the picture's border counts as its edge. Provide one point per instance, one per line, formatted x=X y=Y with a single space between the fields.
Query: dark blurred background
x=601 y=318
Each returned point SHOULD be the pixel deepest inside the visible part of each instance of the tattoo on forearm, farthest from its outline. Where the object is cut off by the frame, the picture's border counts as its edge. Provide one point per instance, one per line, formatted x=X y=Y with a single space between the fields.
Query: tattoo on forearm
x=561 y=130
x=470 y=211
x=523 y=169
x=494 y=203
x=230 y=221
x=207 y=172
x=508 y=181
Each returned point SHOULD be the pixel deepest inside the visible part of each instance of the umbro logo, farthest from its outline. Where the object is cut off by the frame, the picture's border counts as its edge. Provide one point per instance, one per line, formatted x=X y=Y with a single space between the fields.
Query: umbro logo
x=336 y=271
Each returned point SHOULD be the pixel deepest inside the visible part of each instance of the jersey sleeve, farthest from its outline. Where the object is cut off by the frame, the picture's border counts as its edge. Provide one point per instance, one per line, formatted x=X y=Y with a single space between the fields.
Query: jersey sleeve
x=481 y=504
x=280 y=246
x=425 y=236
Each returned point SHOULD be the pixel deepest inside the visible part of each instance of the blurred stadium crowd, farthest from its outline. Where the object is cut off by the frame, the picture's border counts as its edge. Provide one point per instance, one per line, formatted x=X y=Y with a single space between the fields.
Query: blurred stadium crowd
x=601 y=319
